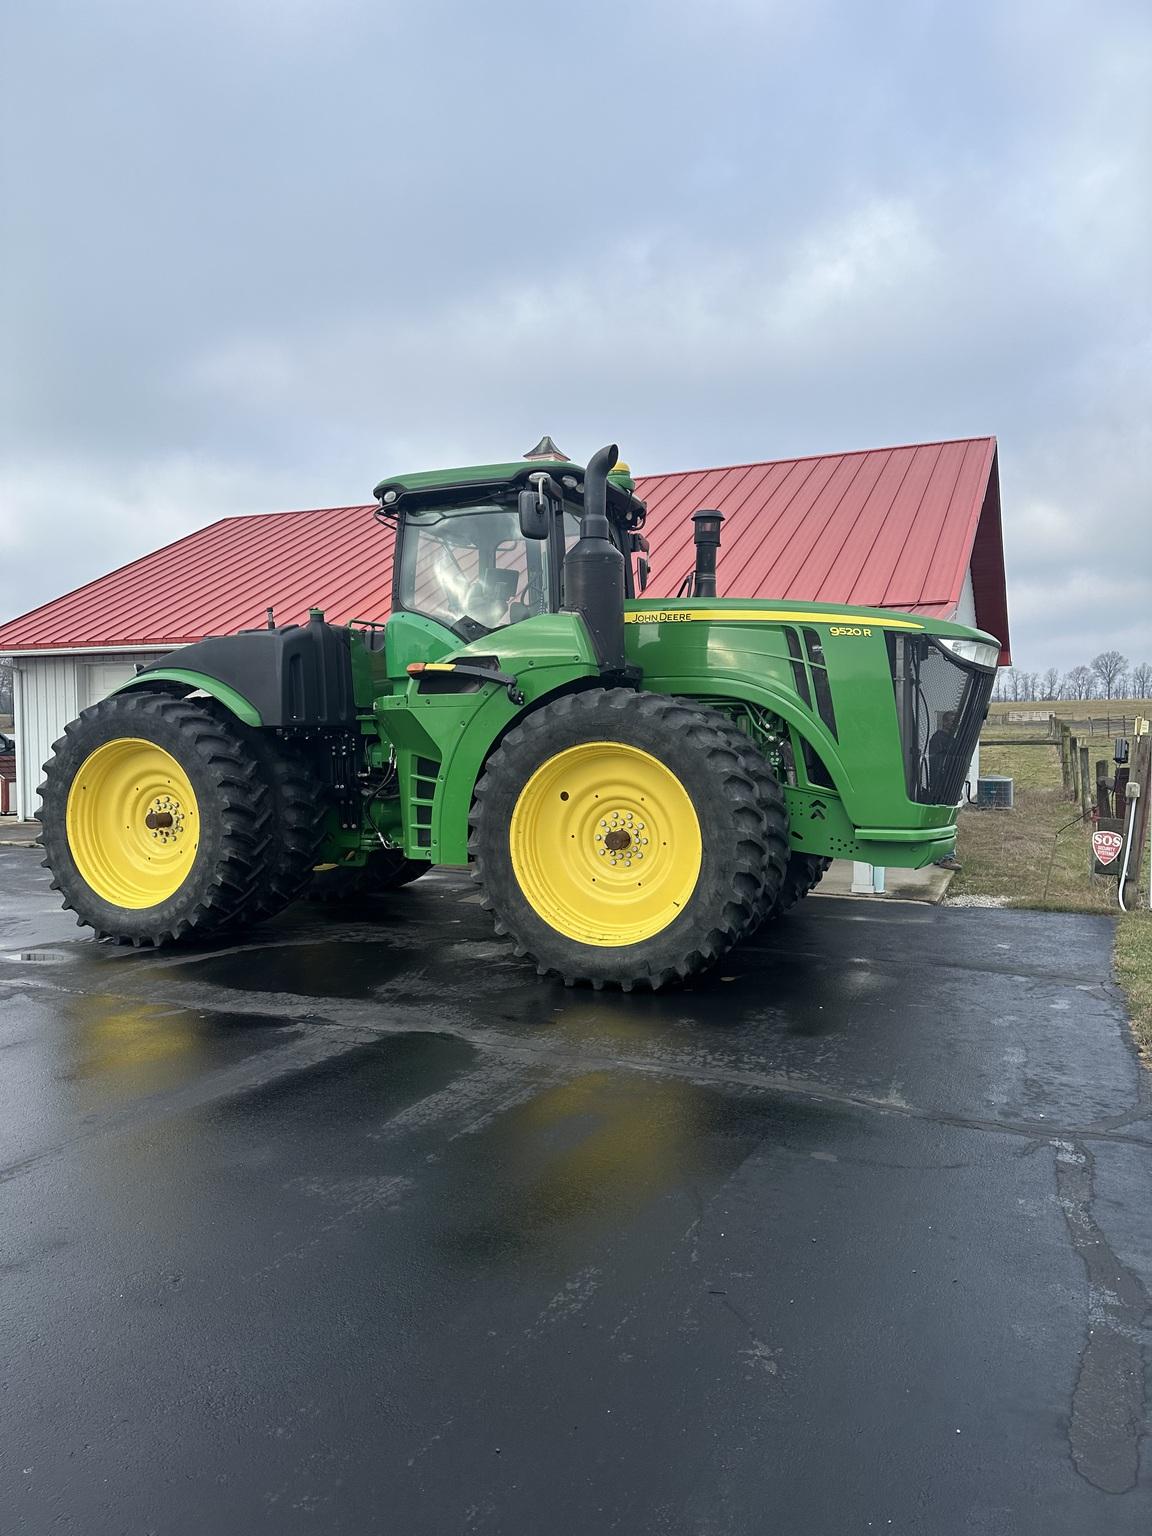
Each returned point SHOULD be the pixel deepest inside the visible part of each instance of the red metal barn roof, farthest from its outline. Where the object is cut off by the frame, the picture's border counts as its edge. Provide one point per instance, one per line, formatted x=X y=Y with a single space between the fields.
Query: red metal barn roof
x=223 y=578
x=889 y=527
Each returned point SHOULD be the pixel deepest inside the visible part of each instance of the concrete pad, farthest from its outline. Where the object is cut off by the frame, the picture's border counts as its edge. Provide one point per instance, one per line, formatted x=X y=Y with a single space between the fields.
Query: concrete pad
x=928 y=884
x=18 y=834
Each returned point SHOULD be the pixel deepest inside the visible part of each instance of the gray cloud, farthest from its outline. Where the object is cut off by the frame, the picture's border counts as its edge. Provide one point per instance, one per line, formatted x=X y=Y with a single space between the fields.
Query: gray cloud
x=258 y=255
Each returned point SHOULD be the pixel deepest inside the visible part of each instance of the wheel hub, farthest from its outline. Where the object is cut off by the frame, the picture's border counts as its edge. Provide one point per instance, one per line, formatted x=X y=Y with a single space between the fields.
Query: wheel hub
x=165 y=819
x=623 y=837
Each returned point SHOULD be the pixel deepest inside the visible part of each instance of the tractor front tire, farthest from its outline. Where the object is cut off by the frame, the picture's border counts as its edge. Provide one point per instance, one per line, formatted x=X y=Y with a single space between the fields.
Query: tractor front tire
x=156 y=820
x=805 y=871
x=770 y=793
x=618 y=839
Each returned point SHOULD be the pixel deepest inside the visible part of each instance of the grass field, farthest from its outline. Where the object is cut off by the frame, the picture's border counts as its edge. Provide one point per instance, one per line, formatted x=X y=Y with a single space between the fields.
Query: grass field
x=1073 y=709
x=1033 y=858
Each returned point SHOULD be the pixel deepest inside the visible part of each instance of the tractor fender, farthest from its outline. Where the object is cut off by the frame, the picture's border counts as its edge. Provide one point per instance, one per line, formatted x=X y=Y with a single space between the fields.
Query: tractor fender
x=465 y=747
x=295 y=677
x=194 y=682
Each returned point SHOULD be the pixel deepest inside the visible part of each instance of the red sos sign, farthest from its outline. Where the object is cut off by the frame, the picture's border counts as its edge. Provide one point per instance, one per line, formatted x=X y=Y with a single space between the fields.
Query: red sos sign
x=1106 y=846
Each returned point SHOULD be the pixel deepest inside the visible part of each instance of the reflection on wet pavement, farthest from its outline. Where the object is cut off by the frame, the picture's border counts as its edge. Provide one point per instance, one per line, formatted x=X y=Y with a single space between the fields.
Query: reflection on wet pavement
x=111 y=1047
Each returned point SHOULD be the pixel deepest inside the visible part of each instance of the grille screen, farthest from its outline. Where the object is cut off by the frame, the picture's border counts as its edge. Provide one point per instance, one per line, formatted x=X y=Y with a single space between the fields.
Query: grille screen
x=941 y=705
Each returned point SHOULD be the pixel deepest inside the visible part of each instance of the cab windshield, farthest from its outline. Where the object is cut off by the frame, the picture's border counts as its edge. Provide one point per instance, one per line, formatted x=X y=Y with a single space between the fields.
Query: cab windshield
x=471 y=567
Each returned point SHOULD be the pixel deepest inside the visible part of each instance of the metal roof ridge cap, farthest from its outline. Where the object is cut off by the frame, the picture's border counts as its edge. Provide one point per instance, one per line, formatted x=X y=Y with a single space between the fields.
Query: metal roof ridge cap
x=804 y=458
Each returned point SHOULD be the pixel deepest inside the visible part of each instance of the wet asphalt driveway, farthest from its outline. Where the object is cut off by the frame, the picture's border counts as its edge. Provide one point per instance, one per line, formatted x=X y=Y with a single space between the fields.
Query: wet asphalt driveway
x=361 y=1228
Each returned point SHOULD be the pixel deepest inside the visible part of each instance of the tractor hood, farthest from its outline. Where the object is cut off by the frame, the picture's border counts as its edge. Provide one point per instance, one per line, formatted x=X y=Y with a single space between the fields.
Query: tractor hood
x=841 y=619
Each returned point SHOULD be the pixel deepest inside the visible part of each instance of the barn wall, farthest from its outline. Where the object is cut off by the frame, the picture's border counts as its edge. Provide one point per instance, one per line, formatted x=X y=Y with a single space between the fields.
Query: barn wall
x=51 y=690
x=966 y=614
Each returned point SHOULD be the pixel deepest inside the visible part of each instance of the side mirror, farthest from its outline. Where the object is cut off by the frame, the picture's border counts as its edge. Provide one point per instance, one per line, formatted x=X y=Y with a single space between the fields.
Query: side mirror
x=535 y=509
x=638 y=544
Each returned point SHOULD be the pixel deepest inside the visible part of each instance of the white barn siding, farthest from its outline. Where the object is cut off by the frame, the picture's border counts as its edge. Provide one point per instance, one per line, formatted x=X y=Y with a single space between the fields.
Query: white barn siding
x=966 y=614
x=49 y=691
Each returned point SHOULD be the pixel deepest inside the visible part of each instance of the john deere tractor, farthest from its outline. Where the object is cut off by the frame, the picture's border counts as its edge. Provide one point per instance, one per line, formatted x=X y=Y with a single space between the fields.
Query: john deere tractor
x=636 y=785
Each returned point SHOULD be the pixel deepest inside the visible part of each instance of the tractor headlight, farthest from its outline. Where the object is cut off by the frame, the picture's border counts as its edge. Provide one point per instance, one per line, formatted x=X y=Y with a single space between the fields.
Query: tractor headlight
x=979 y=652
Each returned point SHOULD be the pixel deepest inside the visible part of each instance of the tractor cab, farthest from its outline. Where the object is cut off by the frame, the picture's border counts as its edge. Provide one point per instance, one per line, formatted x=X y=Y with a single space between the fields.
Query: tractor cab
x=481 y=548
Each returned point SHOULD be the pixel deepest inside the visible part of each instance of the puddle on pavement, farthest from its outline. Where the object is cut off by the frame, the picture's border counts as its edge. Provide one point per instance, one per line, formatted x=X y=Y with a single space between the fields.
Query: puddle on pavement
x=309 y=970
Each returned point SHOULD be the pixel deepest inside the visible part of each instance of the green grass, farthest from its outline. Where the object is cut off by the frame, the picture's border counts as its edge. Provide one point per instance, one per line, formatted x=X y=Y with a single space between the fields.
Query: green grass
x=1023 y=854
x=1017 y=854
x=1133 y=958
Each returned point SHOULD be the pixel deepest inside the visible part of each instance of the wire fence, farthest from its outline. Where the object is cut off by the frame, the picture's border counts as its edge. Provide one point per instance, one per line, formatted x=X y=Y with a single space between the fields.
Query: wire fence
x=1086 y=725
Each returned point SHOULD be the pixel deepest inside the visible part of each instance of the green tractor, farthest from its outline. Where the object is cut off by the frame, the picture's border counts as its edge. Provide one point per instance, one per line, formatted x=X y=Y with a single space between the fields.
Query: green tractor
x=636 y=785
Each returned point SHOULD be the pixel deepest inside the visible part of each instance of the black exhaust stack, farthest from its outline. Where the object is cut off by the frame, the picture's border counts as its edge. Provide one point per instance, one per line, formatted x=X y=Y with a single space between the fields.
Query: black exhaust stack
x=594 y=568
x=706 y=532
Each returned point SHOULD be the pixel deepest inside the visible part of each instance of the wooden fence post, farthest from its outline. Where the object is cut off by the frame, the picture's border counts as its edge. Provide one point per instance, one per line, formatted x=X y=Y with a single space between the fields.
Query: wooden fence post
x=1074 y=766
x=1142 y=773
x=1085 y=786
x=1065 y=765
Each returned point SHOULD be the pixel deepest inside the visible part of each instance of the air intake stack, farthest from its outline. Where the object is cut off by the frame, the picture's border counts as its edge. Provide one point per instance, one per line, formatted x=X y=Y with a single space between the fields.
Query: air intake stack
x=594 y=568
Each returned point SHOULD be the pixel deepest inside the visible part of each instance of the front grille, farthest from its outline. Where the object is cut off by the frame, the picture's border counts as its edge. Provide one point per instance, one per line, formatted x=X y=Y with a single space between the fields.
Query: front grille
x=941 y=703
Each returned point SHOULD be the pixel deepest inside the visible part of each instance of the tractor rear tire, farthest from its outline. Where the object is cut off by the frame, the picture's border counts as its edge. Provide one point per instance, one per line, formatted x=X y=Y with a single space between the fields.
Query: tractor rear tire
x=298 y=811
x=619 y=839
x=156 y=819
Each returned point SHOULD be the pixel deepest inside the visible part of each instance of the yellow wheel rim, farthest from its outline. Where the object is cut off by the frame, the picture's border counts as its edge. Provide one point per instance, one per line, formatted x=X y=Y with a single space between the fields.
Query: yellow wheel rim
x=605 y=844
x=133 y=823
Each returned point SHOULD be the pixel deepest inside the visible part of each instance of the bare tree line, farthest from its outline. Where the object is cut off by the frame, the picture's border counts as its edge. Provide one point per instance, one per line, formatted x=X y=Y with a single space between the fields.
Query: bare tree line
x=1107 y=676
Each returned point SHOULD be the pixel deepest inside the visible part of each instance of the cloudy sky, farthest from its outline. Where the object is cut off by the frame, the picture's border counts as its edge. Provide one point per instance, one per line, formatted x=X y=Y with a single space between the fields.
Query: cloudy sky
x=255 y=254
